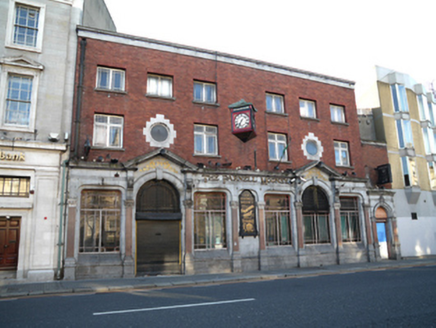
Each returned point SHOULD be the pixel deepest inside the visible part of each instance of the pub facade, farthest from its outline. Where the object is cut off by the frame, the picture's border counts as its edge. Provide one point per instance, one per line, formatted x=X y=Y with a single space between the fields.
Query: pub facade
x=188 y=161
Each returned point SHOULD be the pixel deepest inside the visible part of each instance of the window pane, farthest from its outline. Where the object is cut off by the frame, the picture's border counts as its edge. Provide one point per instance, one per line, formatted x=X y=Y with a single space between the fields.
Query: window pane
x=281 y=149
x=26 y=26
x=344 y=227
x=118 y=81
x=198 y=143
x=395 y=98
x=115 y=137
x=403 y=98
x=278 y=104
x=209 y=221
x=272 y=150
x=400 y=134
x=165 y=87
x=324 y=236
x=18 y=100
x=408 y=133
x=345 y=158
x=100 y=221
x=103 y=78
x=198 y=90
x=152 y=85
x=269 y=106
x=209 y=93
x=100 y=135
x=309 y=233
x=210 y=145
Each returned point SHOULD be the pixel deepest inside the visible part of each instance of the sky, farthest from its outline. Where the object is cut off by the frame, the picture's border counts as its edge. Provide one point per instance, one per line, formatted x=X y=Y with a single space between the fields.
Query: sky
x=340 y=38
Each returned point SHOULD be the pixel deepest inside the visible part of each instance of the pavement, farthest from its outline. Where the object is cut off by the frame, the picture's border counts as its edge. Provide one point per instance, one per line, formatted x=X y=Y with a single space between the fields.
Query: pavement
x=10 y=288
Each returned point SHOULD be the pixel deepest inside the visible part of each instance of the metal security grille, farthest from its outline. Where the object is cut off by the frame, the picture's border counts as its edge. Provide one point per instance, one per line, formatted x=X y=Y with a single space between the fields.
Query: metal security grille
x=158 y=197
x=350 y=223
x=209 y=220
x=316 y=219
x=315 y=200
x=277 y=220
x=14 y=186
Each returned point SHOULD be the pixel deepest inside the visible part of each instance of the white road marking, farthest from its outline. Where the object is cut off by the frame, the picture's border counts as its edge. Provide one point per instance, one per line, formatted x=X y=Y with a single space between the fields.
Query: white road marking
x=175 y=307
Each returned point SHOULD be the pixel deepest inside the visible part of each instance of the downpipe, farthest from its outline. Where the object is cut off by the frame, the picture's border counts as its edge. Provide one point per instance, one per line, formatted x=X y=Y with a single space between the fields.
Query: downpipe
x=61 y=221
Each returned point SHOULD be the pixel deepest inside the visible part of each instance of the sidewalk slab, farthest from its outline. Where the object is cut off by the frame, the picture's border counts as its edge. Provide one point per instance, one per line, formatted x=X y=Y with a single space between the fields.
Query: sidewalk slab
x=22 y=289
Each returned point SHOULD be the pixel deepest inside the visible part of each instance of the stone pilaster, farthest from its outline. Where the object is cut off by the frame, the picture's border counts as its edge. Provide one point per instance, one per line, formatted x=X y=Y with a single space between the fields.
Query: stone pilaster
x=128 y=261
x=236 y=256
x=189 y=259
x=263 y=255
x=337 y=221
x=70 y=260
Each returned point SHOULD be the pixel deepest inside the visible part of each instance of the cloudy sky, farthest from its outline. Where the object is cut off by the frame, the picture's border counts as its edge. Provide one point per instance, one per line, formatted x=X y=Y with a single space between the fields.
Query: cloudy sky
x=341 y=38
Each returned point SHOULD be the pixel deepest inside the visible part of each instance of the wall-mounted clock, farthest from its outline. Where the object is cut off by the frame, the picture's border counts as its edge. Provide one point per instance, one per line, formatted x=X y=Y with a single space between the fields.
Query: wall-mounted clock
x=243 y=120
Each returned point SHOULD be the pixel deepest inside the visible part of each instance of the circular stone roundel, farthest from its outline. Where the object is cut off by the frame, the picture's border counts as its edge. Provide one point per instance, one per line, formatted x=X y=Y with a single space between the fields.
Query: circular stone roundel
x=159 y=132
x=312 y=147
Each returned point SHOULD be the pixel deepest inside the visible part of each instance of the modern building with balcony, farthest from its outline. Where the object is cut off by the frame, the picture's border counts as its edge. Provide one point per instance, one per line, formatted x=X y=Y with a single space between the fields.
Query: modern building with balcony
x=404 y=118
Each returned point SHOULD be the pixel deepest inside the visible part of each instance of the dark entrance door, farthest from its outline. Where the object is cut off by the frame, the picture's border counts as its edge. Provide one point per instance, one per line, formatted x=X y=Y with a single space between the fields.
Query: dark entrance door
x=158 y=220
x=9 y=242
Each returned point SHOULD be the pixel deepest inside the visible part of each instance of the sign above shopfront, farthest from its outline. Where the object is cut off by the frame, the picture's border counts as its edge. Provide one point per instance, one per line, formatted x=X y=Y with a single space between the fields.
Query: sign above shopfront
x=12 y=156
x=265 y=180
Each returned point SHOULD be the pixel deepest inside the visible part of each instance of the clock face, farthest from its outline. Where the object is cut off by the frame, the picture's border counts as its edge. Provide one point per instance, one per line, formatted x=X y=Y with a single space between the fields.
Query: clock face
x=242 y=121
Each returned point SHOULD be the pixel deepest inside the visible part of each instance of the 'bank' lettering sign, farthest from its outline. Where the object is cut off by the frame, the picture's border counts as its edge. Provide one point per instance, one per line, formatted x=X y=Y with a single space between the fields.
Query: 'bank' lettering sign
x=13 y=157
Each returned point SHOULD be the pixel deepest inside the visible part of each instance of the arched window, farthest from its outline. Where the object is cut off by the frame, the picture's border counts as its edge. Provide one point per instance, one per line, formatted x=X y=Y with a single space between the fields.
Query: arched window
x=316 y=216
x=158 y=196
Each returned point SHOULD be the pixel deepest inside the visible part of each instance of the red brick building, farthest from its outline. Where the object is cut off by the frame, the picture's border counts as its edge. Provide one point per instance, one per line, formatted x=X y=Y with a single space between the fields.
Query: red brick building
x=186 y=160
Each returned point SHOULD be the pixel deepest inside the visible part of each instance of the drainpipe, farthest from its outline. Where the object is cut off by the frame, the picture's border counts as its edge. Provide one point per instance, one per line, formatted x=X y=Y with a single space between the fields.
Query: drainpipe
x=79 y=96
x=61 y=223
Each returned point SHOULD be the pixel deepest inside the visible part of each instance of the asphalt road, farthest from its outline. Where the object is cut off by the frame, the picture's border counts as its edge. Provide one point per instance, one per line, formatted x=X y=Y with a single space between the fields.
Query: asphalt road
x=391 y=298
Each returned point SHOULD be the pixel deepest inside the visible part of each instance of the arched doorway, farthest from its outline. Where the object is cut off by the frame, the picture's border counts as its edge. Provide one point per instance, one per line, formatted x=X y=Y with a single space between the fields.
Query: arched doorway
x=316 y=218
x=158 y=219
x=381 y=217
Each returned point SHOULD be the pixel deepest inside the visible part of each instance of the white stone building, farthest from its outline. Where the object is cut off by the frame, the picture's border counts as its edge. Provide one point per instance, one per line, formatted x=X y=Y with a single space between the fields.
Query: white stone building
x=38 y=45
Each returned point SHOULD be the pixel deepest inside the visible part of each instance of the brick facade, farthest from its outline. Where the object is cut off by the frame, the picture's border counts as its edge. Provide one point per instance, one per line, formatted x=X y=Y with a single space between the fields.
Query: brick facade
x=206 y=225
x=233 y=83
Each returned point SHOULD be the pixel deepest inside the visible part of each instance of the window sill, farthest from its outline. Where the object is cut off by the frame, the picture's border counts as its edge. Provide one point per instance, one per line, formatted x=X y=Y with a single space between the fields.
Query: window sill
x=340 y=123
x=107 y=148
x=30 y=49
x=277 y=114
x=280 y=161
x=110 y=91
x=17 y=129
x=309 y=118
x=203 y=103
x=160 y=97
x=344 y=167
x=206 y=155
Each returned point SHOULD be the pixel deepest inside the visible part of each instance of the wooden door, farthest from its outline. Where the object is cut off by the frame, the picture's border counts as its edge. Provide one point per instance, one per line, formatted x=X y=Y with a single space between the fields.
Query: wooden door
x=9 y=242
